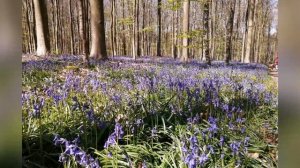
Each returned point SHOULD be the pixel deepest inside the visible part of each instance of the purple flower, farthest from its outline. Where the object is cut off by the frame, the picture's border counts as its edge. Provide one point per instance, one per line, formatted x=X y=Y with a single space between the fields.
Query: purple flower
x=213 y=125
x=58 y=140
x=246 y=141
x=183 y=148
x=110 y=141
x=202 y=159
x=234 y=146
x=221 y=141
x=211 y=149
x=72 y=150
x=193 y=141
x=117 y=134
x=119 y=130
x=190 y=160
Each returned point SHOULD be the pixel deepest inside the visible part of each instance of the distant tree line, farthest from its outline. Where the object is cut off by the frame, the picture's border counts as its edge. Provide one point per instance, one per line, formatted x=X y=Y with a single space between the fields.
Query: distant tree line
x=229 y=30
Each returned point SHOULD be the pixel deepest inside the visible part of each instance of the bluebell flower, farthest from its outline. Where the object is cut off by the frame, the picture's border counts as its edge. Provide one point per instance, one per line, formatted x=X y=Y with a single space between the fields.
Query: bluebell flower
x=234 y=146
x=183 y=148
x=72 y=150
x=119 y=130
x=211 y=149
x=243 y=129
x=193 y=141
x=202 y=159
x=117 y=134
x=231 y=126
x=190 y=160
x=213 y=128
x=246 y=141
x=58 y=140
x=221 y=141
x=110 y=141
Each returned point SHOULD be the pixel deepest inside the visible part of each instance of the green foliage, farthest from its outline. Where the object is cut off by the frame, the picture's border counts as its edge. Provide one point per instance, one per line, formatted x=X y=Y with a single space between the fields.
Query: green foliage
x=126 y=21
x=147 y=29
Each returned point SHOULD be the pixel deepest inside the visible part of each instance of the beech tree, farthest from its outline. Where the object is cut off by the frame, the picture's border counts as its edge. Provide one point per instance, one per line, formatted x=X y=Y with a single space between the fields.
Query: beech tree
x=229 y=30
x=83 y=32
x=185 y=29
x=98 y=46
x=207 y=33
x=250 y=17
x=41 y=28
x=158 y=51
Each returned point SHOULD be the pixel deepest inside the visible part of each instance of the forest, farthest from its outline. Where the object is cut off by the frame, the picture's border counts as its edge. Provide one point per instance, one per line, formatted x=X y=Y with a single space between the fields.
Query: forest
x=231 y=30
x=149 y=83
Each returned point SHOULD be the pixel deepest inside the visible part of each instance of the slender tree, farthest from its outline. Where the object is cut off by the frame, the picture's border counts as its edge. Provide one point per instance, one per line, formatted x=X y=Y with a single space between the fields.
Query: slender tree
x=229 y=30
x=158 y=47
x=138 y=47
x=83 y=32
x=113 y=28
x=206 y=28
x=123 y=28
x=249 y=39
x=185 y=29
x=41 y=31
x=98 y=48
x=212 y=28
x=134 y=31
x=71 y=27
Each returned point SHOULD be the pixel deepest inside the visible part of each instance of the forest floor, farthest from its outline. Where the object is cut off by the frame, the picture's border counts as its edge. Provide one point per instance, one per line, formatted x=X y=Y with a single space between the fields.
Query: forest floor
x=149 y=112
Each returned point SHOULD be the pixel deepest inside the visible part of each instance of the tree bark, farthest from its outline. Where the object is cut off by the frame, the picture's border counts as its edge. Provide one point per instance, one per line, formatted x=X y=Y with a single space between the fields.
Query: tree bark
x=249 y=39
x=185 y=29
x=206 y=28
x=98 y=48
x=71 y=28
x=112 y=28
x=123 y=28
x=82 y=32
x=229 y=30
x=134 y=31
x=138 y=47
x=158 y=47
x=42 y=47
x=212 y=28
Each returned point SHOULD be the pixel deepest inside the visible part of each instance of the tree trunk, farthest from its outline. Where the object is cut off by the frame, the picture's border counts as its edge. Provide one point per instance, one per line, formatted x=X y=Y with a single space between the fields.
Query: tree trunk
x=173 y=35
x=185 y=29
x=138 y=47
x=143 y=27
x=123 y=29
x=42 y=47
x=98 y=48
x=158 y=48
x=71 y=28
x=237 y=36
x=82 y=32
x=134 y=31
x=112 y=29
x=206 y=28
x=212 y=28
x=249 y=39
x=229 y=31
